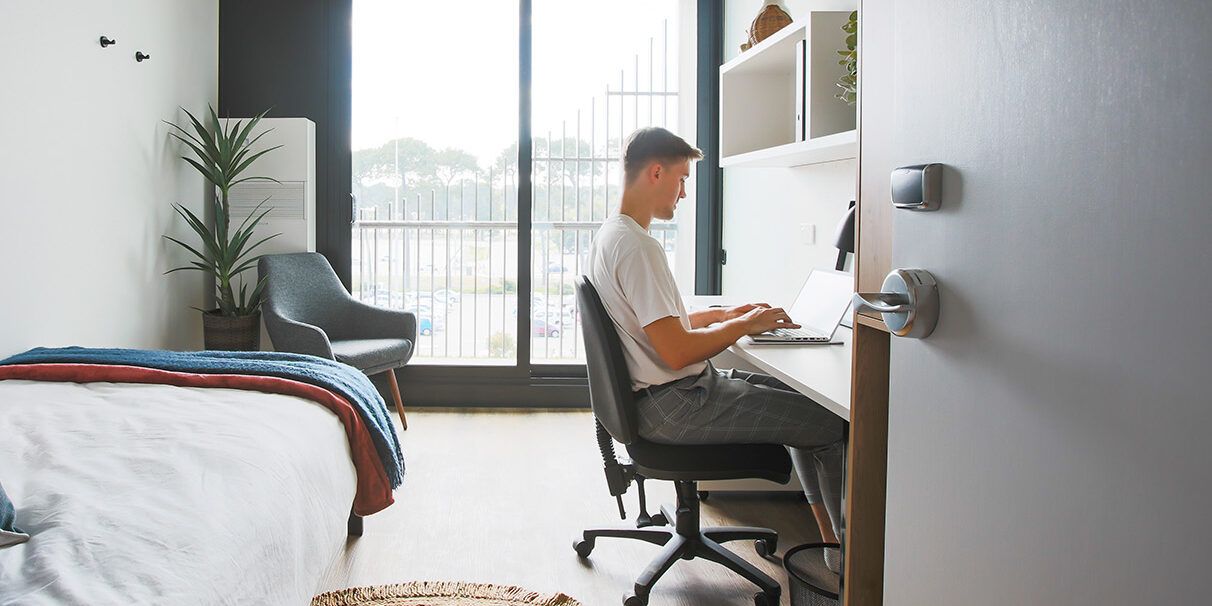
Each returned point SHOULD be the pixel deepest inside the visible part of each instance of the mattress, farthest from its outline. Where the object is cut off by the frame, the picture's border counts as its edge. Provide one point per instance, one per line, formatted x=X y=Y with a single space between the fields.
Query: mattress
x=155 y=494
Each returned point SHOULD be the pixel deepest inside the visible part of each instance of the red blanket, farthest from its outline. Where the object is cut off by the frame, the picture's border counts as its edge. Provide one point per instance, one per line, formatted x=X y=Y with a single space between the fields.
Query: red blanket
x=374 y=489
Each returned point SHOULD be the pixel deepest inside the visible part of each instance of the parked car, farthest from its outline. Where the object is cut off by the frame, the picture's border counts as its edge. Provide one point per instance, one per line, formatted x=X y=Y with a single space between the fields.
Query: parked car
x=427 y=322
x=444 y=296
x=540 y=327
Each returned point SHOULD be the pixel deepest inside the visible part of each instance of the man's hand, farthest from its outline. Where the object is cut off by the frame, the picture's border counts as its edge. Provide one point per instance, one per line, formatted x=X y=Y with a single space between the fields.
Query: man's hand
x=761 y=319
x=740 y=310
x=679 y=347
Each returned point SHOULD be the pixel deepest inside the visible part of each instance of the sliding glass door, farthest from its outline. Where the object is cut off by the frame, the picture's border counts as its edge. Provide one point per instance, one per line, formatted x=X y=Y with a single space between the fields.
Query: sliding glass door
x=601 y=70
x=435 y=131
x=439 y=117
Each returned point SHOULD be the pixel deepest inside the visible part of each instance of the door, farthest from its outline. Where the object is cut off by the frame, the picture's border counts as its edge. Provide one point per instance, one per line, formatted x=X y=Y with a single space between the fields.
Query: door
x=1048 y=443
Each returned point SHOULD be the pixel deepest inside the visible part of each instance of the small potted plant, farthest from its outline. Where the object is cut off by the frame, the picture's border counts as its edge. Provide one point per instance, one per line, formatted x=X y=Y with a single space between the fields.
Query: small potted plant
x=222 y=154
x=848 y=82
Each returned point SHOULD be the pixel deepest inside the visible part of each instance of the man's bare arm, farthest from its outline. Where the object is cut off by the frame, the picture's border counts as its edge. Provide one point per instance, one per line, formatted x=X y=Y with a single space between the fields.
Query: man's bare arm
x=706 y=317
x=679 y=347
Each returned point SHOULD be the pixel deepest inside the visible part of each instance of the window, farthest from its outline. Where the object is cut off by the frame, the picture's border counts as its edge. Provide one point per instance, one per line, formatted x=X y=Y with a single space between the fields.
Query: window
x=436 y=134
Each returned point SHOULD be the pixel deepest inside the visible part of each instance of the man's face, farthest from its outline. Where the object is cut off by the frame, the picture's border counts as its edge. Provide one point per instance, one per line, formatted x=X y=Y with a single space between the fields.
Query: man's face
x=670 y=186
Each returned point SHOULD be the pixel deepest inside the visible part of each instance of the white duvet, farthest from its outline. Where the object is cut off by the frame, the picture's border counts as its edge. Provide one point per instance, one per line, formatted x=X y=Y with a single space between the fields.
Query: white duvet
x=152 y=494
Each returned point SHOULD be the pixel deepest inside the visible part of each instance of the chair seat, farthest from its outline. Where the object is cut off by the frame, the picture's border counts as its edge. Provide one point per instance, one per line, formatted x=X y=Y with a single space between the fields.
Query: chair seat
x=372 y=356
x=711 y=462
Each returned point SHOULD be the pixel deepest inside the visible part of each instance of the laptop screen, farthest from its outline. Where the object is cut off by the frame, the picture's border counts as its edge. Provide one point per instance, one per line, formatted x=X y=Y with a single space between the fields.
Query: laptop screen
x=823 y=300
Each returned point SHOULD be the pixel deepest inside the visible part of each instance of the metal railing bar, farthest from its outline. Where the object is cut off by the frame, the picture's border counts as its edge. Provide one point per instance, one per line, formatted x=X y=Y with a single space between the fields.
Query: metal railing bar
x=593 y=150
x=475 y=274
x=665 y=70
x=576 y=179
x=635 y=93
x=651 y=98
x=580 y=159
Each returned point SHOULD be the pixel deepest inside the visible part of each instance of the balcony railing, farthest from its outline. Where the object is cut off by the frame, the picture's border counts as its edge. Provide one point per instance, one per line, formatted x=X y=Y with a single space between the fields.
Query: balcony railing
x=460 y=278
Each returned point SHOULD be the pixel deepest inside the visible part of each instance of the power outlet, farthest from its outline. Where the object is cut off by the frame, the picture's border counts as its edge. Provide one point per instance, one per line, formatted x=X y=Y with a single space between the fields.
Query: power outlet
x=807 y=234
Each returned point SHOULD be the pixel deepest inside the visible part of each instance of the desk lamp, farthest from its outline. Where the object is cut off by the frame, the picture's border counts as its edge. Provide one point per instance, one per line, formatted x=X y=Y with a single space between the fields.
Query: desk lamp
x=843 y=239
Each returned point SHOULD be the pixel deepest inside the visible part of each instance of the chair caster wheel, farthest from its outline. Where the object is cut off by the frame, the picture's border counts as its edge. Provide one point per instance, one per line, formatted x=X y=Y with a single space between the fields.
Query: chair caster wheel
x=704 y=495
x=659 y=520
x=765 y=599
x=631 y=599
x=582 y=547
x=766 y=547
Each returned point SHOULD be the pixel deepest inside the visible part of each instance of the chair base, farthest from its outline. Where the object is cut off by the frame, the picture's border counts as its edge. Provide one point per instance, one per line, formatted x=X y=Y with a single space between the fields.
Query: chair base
x=684 y=539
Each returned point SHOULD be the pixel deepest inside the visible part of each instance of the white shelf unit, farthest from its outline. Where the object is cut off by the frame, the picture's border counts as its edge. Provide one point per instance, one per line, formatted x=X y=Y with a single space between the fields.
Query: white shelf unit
x=758 y=97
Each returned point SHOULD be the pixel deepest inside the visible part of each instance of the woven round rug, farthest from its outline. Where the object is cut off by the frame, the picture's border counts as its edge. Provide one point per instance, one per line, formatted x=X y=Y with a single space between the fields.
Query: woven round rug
x=440 y=593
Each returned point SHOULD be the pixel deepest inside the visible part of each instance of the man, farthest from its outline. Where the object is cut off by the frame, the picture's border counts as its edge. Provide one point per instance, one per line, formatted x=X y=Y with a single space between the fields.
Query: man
x=681 y=397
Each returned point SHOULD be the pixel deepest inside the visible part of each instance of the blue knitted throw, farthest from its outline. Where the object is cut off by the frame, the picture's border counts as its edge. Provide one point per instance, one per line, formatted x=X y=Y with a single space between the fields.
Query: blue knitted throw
x=333 y=376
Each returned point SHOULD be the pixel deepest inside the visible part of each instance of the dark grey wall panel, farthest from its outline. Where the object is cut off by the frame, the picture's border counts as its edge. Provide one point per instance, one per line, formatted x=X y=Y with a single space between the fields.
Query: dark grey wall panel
x=296 y=57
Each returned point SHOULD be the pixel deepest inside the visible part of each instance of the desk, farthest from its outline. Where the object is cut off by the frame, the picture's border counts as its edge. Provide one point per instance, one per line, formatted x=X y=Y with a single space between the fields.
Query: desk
x=821 y=372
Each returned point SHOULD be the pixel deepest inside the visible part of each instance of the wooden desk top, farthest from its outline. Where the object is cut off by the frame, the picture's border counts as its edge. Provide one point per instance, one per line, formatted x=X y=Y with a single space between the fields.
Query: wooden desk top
x=822 y=372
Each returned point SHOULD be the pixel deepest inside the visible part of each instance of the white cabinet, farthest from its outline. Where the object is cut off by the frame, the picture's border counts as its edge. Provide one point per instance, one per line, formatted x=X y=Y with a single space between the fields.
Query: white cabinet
x=292 y=200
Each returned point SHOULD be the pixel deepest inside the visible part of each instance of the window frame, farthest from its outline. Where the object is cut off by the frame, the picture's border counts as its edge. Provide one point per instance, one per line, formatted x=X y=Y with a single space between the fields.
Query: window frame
x=524 y=383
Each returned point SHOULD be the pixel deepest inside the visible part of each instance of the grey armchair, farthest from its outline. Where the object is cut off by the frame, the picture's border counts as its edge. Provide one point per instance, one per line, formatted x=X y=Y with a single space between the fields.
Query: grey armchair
x=307 y=310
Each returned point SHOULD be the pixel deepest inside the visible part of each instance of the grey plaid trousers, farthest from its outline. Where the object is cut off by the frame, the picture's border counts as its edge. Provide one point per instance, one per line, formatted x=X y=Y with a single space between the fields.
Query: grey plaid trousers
x=738 y=407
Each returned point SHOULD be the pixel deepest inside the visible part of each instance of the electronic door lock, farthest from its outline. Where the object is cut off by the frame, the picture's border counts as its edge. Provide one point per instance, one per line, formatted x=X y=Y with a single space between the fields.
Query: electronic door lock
x=908 y=302
x=918 y=187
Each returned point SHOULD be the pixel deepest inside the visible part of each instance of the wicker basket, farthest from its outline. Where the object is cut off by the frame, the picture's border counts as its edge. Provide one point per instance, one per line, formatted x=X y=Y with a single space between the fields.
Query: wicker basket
x=770 y=19
x=242 y=333
x=810 y=580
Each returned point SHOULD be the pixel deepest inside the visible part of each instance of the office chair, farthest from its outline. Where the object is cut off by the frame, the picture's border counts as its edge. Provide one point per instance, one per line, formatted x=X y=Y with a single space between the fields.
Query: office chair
x=679 y=532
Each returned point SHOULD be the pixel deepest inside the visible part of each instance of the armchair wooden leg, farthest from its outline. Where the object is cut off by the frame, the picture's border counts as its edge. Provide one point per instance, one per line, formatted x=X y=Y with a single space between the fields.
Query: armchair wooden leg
x=395 y=395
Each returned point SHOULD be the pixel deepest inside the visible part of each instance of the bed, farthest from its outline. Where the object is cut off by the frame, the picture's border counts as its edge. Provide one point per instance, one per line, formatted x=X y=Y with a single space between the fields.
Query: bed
x=140 y=492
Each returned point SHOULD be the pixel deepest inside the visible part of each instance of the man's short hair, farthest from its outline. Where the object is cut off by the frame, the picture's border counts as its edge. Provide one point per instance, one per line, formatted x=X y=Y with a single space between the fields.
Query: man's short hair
x=654 y=143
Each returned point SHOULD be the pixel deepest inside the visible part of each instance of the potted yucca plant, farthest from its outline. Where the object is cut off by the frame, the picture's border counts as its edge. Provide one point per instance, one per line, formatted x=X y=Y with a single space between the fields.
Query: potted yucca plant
x=221 y=155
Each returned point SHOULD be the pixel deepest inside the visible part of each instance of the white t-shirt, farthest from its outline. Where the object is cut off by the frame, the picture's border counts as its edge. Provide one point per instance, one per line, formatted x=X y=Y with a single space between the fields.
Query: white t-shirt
x=627 y=267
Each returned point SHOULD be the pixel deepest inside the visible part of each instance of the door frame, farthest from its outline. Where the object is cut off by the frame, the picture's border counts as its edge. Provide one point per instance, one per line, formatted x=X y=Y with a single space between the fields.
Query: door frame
x=867 y=461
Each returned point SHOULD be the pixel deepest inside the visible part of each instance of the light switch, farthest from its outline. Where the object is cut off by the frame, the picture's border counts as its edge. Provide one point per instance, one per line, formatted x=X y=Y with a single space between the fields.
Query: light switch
x=807 y=234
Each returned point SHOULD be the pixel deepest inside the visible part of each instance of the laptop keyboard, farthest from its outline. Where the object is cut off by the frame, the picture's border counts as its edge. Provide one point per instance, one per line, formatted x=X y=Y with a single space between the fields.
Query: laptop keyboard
x=805 y=334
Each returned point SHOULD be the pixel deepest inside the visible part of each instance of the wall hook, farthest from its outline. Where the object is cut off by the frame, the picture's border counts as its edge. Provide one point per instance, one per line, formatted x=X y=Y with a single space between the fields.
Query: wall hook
x=107 y=41
x=140 y=57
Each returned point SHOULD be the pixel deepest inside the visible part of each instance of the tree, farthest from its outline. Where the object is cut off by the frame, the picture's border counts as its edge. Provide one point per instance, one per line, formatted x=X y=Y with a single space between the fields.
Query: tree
x=417 y=160
x=451 y=163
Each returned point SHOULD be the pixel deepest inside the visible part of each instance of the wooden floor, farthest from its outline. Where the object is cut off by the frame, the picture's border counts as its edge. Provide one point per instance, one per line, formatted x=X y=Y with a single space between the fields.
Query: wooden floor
x=497 y=497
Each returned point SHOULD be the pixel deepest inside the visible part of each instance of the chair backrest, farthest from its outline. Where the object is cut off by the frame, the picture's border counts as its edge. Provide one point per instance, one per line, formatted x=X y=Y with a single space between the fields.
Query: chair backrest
x=302 y=287
x=610 y=392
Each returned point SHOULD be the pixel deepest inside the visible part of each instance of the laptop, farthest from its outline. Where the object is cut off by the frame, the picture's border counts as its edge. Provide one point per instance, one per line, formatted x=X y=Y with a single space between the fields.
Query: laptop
x=821 y=304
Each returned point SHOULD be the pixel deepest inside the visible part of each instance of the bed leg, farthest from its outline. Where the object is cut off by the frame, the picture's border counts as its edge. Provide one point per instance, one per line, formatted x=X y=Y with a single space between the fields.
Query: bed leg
x=355 y=525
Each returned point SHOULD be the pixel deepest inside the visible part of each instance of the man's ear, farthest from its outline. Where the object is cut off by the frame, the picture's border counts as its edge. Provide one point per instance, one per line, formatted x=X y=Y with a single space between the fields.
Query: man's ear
x=654 y=171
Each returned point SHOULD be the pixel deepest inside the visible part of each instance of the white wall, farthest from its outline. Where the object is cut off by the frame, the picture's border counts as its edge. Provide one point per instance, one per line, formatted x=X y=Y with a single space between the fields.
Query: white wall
x=765 y=207
x=87 y=173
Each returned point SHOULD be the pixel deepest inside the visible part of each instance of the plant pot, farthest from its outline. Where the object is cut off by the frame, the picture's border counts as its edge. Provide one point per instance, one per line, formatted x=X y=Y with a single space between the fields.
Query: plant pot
x=241 y=333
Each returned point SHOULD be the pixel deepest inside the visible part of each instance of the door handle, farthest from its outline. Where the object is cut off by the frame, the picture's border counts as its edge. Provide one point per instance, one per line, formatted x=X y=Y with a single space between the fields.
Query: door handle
x=883 y=302
x=908 y=303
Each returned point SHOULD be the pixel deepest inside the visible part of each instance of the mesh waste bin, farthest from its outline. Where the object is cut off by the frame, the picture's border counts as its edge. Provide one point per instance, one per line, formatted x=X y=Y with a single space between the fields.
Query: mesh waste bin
x=811 y=582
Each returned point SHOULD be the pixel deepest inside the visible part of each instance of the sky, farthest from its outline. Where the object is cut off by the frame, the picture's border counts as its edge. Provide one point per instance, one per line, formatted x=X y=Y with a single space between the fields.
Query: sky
x=446 y=72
